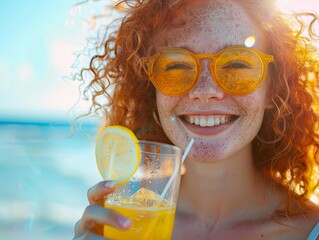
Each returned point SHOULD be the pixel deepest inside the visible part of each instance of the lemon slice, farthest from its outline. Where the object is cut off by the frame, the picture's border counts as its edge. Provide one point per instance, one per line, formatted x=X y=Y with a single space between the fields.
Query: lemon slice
x=117 y=154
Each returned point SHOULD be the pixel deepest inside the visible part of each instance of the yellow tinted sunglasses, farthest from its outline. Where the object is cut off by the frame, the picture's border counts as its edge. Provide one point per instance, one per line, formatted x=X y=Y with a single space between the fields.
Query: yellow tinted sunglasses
x=237 y=70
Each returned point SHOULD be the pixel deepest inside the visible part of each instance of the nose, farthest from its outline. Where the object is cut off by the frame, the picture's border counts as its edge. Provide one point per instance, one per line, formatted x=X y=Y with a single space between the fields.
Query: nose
x=206 y=88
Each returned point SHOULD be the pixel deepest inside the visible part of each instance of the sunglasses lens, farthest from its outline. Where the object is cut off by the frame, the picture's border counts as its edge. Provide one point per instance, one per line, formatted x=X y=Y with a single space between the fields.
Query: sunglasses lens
x=174 y=72
x=238 y=71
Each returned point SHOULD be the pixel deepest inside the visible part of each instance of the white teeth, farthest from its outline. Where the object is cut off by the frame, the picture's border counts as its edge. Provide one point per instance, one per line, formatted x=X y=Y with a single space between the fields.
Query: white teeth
x=202 y=122
x=222 y=120
x=207 y=121
x=210 y=122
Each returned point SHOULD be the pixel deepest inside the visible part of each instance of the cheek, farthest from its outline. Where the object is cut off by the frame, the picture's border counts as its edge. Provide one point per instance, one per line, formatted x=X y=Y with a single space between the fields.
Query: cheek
x=254 y=106
x=164 y=104
x=257 y=100
x=166 y=109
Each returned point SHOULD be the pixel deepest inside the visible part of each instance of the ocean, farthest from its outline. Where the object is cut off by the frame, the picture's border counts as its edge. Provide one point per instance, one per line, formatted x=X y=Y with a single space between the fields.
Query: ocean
x=45 y=173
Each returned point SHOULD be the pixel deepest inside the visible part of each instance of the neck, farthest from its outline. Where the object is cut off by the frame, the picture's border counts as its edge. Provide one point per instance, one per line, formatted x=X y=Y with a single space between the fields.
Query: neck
x=229 y=189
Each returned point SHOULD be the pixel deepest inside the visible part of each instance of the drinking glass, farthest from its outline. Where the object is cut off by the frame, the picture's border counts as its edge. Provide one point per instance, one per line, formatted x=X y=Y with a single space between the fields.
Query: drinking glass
x=149 y=197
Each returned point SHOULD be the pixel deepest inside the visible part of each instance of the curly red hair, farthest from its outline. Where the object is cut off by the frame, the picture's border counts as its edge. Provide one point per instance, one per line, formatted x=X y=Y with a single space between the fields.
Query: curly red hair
x=286 y=148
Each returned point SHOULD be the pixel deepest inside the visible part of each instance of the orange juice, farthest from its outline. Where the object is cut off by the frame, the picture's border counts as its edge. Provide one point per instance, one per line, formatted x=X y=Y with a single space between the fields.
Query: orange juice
x=148 y=223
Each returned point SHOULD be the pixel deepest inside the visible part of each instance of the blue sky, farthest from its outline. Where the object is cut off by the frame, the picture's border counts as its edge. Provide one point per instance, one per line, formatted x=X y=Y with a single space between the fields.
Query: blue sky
x=25 y=29
x=35 y=54
x=38 y=39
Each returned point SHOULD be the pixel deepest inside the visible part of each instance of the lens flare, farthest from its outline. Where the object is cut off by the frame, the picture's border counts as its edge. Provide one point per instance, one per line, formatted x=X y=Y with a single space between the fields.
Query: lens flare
x=314 y=198
x=250 y=41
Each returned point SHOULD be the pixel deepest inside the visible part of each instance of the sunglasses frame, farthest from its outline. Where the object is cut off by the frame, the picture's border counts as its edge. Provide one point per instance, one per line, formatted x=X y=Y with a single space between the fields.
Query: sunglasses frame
x=263 y=57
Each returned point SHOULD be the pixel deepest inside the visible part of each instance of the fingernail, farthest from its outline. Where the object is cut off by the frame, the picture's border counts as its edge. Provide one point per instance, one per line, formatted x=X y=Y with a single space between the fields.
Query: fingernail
x=124 y=222
x=109 y=184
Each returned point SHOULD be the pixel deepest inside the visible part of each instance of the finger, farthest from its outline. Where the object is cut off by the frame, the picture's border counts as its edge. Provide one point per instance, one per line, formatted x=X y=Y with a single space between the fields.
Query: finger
x=95 y=216
x=90 y=236
x=96 y=228
x=96 y=194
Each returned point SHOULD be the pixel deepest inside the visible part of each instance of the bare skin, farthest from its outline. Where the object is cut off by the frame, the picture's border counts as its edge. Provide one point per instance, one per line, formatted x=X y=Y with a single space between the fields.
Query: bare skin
x=221 y=195
x=195 y=220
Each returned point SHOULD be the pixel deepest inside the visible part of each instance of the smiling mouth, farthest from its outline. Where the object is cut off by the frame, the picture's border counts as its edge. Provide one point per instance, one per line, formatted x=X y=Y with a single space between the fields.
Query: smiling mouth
x=208 y=121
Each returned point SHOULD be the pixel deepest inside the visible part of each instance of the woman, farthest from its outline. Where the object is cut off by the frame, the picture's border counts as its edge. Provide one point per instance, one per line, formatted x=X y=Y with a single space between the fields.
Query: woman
x=251 y=118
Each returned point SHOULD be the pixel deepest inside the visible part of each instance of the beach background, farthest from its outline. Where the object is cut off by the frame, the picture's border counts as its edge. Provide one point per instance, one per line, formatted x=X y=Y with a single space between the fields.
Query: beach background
x=45 y=167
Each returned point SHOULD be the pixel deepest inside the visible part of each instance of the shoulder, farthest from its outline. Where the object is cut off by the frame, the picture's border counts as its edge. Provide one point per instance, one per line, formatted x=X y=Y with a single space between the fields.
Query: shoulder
x=310 y=223
x=304 y=224
x=294 y=228
x=279 y=227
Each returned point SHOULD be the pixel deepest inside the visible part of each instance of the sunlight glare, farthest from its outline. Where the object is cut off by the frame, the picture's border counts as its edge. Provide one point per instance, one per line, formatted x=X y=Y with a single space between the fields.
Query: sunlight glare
x=250 y=41
x=25 y=72
x=298 y=5
x=315 y=199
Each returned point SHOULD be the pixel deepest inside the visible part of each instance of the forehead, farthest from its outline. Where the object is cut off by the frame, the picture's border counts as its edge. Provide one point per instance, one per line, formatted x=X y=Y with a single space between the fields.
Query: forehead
x=212 y=25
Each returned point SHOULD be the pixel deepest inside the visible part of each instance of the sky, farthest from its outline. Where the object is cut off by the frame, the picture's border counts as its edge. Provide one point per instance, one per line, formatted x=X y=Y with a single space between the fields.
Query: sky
x=38 y=42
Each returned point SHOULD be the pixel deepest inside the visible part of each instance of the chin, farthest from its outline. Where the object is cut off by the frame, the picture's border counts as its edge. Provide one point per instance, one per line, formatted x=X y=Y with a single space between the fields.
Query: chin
x=205 y=158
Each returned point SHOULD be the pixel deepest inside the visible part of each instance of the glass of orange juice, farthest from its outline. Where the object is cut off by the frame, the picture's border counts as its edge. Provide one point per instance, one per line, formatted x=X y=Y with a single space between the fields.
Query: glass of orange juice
x=149 y=197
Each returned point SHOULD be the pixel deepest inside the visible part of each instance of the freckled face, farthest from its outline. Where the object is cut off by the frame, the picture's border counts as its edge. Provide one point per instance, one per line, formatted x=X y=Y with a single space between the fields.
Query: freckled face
x=222 y=125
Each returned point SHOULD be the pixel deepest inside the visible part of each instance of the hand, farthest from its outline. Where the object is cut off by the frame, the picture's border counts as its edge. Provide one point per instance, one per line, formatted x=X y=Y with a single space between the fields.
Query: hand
x=90 y=226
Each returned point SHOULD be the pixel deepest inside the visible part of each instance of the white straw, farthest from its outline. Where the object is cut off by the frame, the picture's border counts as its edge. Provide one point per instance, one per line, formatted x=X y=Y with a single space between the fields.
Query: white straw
x=187 y=149
x=175 y=170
